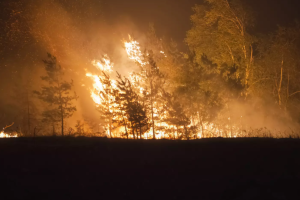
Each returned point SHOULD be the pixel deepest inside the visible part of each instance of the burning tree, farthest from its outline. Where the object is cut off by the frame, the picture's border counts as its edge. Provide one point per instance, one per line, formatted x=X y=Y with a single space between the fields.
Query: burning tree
x=128 y=101
x=108 y=105
x=104 y=93
x=56 y=94
x=148 y=81
x=176 y=115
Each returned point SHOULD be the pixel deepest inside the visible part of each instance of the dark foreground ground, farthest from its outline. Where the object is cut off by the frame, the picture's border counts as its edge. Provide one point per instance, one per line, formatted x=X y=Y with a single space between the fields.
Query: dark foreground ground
x=93 y=168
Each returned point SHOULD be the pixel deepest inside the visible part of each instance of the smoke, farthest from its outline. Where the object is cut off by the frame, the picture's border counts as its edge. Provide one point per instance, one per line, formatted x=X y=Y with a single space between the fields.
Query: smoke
x=77 y=33
x=257 y=114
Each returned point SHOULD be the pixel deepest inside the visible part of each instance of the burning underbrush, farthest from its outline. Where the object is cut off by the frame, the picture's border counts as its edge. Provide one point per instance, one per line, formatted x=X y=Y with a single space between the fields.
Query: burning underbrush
x=8 y=135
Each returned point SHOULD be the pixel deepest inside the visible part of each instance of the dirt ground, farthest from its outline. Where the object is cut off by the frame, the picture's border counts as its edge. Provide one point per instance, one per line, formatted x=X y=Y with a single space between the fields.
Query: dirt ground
x=100 y=168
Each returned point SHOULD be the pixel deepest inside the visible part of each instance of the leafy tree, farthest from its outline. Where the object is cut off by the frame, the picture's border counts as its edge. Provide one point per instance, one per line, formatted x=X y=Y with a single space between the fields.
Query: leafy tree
x=279 y=61
x=56 y=93
x=221 y=31
x=277 y=70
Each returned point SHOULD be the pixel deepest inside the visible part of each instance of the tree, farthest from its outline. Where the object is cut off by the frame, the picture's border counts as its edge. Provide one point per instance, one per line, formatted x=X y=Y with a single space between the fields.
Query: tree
x=176 y=114
x=56 y=93
x=79 y=128
x=131 y=108
x=107 y=96
x=149 y=81
x=24 y=101
x=277 y=70
x=221 y=31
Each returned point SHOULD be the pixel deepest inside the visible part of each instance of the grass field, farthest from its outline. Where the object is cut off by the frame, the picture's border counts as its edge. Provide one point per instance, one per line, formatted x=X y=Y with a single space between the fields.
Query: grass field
x=99 y=168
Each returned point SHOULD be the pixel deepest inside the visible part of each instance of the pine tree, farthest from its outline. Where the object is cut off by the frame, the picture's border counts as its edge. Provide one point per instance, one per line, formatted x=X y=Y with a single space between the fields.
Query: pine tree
x=131 y=108
x=107 y=108
x=56 y=93
x=150 y=84
x=176 y=114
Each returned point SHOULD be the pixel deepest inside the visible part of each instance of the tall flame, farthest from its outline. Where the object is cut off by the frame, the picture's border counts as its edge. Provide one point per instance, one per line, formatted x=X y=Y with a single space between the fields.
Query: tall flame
x=104 y=66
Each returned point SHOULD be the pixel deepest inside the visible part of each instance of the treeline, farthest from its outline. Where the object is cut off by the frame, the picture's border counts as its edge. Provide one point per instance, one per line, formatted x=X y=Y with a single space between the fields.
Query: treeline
x=230 y=83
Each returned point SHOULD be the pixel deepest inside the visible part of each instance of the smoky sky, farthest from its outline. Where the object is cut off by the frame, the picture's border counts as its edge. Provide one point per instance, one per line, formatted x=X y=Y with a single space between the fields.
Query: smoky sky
x=172 y=17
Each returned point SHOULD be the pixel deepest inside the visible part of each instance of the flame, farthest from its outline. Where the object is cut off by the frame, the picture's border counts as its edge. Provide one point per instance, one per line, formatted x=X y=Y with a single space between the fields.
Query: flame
x=163 y=130
x=162 y=52
x=134 y=51
x=105 y=65
x=4 y=135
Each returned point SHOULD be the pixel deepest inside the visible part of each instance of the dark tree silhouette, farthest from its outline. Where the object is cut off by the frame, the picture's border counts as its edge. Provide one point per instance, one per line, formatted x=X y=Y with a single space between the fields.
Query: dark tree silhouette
x=56 y=93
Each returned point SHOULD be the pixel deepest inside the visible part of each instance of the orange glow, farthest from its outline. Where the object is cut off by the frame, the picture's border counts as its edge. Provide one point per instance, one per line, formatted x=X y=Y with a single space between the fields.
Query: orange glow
x=163 y=130
x=134 y=51
x=4 y=135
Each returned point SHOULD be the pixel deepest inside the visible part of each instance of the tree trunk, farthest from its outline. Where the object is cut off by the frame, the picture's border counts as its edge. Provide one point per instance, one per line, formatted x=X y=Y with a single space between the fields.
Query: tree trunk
x=62 y=122
x=201 y=123
x=230 y=121
x=287 y=92
x=186 y=133
x=110 y=124
x=61 y=111
x=125 y=126
x=28 y=114
x=133 y=132
x=140 y=131
x=279 y=87
x=174 y=132
x=152 y=111
x=202 y=128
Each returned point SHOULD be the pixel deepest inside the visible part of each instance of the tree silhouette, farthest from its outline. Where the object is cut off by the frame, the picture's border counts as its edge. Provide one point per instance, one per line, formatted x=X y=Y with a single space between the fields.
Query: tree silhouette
x=56 y=93
x=128 y=101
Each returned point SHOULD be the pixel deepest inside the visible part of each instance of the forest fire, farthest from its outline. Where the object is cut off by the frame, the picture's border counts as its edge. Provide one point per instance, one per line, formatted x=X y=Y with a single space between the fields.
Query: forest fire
x=165 y=88
x=100 y=92
x=119 y=124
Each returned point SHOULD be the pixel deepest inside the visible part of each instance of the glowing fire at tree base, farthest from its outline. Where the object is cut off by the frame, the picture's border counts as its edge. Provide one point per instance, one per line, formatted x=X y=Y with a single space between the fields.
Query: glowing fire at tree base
x=4 y=135
x=102 y=94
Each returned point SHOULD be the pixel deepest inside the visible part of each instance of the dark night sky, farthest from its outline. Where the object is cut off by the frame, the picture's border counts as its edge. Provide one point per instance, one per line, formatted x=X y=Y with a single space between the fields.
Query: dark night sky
x=172 y=17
